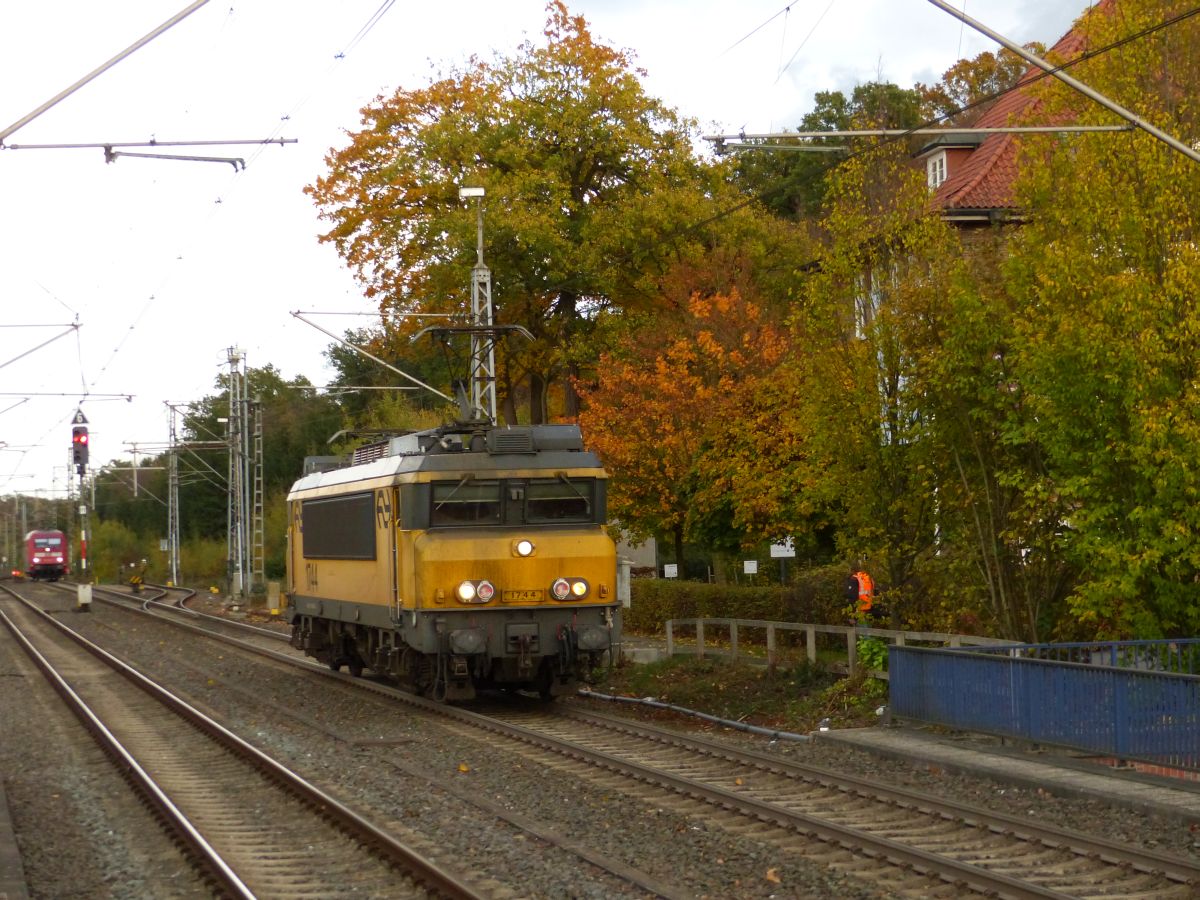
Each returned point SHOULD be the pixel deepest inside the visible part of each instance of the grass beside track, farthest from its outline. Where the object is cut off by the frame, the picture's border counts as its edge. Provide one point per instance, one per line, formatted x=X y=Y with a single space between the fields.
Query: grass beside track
x=795 y=698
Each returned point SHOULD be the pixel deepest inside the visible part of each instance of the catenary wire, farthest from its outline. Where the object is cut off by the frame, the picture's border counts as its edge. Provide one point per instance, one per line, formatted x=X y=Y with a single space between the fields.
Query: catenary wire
x=231 y=185
x=1023 y=83
x=807 y=37
x=757 y=29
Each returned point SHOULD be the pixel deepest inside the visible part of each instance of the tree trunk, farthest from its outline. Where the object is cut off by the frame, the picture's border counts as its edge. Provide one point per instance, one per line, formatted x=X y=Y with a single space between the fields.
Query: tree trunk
x=678 y=534
x=537 y=399
x=570 y=396
x=508 y=406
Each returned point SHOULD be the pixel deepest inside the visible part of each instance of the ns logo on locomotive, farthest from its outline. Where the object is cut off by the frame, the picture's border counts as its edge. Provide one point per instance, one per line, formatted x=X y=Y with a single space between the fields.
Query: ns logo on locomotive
x=462 y=557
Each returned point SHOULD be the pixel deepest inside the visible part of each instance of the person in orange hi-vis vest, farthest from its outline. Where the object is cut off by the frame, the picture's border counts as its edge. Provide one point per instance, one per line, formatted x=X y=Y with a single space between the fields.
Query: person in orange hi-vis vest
x=860 y=590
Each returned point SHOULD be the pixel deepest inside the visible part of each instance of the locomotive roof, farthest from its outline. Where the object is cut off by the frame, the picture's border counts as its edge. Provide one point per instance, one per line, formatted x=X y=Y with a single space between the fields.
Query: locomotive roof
x=453 y=449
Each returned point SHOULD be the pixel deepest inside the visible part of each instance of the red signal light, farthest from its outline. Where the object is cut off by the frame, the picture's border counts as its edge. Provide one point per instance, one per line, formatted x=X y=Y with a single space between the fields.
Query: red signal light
x=79 y=446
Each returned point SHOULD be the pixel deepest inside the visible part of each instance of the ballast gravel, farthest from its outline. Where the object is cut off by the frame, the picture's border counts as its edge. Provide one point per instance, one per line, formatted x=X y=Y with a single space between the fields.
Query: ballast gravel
x=81 y=834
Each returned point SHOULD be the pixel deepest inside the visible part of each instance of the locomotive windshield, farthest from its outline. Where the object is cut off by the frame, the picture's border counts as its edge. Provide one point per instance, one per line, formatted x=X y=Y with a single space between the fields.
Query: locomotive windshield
x=466 y=502
x=559 y=501
x=45 y=543
x=534 y=501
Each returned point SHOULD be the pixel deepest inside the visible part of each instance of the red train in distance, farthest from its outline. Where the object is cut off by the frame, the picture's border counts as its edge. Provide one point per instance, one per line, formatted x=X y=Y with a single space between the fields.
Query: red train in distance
x=47 y=555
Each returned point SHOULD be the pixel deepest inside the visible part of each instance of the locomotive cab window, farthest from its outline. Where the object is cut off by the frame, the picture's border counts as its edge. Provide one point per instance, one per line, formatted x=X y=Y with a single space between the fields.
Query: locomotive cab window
x=466 y=502
x=514 y=502
x=45 y=543
x=560 y=500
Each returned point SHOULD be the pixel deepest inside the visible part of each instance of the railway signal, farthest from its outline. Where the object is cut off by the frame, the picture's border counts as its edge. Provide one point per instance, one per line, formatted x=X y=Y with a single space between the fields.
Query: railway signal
x=79 y=446
x=79 y=441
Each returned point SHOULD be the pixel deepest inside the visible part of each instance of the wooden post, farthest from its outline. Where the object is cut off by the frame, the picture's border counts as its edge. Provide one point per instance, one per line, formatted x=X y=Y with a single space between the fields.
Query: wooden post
x=851 y=650
x=810 y=637
x=733 y=639
x=700 y=638
x=670 y=638
x=771 y=647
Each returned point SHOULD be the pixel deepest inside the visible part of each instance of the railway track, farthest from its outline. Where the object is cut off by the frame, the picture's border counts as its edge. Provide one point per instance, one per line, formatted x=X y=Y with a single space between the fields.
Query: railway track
x=274 y=645
x=908 y=843
x=1038 y=860
x=256 y=828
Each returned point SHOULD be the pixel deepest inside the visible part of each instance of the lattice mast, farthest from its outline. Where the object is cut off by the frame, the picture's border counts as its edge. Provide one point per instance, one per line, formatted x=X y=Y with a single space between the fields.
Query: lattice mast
x=173 y=501
x=258 y=577
x=483 y=336
x=236 y=437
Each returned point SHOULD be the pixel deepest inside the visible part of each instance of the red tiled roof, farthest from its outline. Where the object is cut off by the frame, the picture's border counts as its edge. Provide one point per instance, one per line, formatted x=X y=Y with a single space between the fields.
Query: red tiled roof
x=985 y=179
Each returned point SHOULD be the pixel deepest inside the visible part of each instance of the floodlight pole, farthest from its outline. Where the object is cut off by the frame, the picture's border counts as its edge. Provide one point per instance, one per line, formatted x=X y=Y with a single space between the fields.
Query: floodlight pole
x=483 y=341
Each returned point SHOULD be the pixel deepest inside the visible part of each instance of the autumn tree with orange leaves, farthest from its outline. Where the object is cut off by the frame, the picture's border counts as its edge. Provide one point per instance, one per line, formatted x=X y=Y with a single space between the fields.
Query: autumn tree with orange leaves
x=664 y=416
x=584 y=175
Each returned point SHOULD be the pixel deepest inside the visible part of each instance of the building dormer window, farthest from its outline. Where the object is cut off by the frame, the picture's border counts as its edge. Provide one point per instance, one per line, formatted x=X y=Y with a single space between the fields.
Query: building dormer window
x=935 y=170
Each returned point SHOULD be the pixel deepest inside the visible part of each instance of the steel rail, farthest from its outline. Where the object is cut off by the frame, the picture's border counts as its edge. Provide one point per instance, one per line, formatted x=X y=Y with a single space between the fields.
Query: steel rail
x=854 y=840
x=1149 y=861
x=617 y=868
x=421 y=869
x=145 y=784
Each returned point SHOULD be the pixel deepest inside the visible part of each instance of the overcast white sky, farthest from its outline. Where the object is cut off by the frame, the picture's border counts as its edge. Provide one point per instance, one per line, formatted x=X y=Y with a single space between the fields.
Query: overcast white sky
x=167 y=264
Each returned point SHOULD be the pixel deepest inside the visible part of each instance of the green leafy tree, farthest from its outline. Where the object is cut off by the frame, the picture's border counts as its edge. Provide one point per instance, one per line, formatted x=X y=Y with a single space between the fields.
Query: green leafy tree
x=969 y=87
x=296 y=423
x=1108 y=271
x=354 y=370
x=793 y=184
x=999 y=539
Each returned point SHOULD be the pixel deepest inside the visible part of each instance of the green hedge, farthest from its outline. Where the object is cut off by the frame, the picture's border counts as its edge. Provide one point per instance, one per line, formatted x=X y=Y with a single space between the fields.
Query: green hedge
x=815 y=595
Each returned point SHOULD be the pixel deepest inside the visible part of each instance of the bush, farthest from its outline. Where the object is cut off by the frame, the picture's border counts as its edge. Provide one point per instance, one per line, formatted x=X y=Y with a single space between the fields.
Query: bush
x=873 y=653
x=814 y=596
x=203 y=560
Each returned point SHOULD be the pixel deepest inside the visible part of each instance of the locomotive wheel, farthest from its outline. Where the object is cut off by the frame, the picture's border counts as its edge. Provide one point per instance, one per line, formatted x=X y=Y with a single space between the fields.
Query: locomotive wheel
x=356 y=667
x=335 y=664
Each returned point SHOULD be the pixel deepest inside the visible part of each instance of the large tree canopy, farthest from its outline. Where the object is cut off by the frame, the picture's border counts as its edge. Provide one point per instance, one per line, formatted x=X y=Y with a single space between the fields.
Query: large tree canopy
x=569 y=149
x=1107 y=273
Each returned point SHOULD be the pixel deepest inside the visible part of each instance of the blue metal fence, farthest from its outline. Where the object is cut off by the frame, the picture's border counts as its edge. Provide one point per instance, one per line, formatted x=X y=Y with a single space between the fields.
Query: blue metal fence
x=1129 y=699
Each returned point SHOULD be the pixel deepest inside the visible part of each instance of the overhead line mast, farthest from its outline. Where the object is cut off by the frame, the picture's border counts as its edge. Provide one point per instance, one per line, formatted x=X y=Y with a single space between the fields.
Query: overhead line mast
x=483 y=338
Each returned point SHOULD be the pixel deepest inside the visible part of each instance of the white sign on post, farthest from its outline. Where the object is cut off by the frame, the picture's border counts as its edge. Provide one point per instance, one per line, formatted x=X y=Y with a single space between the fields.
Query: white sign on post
x=670 y=570
x=750 y=566
x=786 y=550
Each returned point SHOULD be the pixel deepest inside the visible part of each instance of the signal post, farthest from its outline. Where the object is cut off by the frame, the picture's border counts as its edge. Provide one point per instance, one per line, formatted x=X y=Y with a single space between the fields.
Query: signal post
x=79 y=456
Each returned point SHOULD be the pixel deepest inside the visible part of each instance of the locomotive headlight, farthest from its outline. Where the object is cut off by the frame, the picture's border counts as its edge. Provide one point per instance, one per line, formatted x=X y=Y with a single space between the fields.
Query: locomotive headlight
x=560 y=589
x=475 y=591
x=523 y=547
x=579 y=587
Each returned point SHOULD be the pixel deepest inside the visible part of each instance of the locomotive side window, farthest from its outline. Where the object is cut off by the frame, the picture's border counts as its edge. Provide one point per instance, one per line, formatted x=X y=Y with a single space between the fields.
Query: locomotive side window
x=466 y=502
x=561 y=500
x=339 y=527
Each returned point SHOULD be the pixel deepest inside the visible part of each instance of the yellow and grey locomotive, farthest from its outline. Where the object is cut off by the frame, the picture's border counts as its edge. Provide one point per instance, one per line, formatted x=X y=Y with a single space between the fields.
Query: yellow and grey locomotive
x=464 y=557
